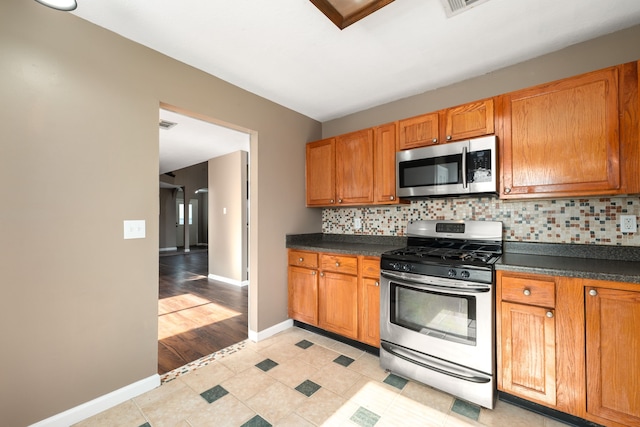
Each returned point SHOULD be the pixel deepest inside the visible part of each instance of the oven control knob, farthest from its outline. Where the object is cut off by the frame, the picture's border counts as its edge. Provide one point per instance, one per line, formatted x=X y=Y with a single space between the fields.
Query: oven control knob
x=464 y=274
x=406 y=267
x=452 y=273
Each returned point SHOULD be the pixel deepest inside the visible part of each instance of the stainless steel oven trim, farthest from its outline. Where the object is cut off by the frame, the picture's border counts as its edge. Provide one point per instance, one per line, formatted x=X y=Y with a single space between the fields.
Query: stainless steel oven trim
x=436 y=364
x=437 y=284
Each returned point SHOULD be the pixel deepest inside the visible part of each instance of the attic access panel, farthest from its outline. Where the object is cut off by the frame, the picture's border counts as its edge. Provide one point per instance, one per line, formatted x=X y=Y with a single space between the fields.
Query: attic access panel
x=345 y=12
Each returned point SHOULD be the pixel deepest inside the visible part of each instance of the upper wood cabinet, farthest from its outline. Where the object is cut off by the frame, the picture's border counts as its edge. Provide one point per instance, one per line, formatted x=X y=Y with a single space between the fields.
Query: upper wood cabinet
x=571 y=137
x=419 y=131
x=469 y=120
x=385 y=164
x=354 y=168
x=452 y=124
x=358 y=168
x=321 y=172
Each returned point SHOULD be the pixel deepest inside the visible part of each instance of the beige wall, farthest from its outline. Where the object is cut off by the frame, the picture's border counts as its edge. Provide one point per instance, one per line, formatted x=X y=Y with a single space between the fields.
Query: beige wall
x=612 y=49
x=227 y=212
x=78 y=155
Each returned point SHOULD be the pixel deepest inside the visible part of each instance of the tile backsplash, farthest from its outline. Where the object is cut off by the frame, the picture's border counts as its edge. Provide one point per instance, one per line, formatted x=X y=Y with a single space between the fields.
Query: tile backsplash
x=580 y=221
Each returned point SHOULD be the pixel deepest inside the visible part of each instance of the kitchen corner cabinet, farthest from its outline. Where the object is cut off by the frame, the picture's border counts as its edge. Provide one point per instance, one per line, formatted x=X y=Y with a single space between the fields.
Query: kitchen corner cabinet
x=336 y=292
x=354 y=169
x=452 y=124
x=303 y=286
x=572 y=137
x=570 y=344
x=321 y=172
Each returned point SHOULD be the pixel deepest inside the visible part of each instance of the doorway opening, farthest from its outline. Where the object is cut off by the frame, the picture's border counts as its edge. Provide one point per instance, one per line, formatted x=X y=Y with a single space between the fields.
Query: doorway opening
x=204 y=245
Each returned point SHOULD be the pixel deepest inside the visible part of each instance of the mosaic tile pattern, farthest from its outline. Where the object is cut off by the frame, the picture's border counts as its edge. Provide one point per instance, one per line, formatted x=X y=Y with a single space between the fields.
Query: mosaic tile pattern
x=581 y=221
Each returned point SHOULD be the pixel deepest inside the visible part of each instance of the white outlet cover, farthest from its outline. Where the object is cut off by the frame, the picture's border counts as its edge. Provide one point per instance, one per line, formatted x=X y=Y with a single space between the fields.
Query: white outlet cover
x=135 y=229
x=628 y=224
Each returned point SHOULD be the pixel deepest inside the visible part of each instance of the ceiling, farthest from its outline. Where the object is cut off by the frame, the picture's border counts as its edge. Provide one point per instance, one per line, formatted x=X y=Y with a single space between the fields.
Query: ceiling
x=289 y=52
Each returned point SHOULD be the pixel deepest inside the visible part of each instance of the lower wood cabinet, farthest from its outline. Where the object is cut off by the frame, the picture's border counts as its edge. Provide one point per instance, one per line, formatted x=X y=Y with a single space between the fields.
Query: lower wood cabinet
x=613 y=353
x=336 y=292
x=570 y=344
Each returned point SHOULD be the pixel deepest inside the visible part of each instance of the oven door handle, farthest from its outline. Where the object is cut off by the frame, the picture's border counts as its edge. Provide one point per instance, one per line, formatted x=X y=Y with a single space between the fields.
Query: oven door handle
x=467 y=287
x=435 y=364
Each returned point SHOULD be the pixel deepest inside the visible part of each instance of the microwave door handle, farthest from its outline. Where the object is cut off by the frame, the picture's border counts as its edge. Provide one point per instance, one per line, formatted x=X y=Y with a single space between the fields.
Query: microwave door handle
x=464 y=167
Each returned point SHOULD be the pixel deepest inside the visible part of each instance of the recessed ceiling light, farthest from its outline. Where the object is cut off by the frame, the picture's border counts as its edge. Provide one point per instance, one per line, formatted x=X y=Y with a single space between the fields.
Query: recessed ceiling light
x=65 y=5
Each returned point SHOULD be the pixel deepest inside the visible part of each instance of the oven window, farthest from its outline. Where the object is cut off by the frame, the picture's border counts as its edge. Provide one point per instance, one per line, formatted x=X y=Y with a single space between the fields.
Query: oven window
x=442 y=315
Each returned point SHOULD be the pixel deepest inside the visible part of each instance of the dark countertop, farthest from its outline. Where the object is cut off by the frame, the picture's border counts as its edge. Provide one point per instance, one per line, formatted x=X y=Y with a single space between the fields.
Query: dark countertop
x=345 y=243
x=599 y=262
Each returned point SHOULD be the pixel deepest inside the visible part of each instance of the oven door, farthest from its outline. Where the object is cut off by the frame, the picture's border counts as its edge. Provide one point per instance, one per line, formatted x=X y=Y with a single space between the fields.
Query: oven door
x=447 y=319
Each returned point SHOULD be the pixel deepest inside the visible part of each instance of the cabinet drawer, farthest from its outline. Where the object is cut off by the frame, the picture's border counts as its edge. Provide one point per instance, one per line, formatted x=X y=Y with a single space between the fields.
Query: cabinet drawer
x=532 y=291
x=339 y=263
x=371 y=267
x=303 y=259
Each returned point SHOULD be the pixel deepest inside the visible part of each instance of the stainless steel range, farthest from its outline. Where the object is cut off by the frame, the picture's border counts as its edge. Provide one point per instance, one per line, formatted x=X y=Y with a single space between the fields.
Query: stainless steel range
x=437 y=307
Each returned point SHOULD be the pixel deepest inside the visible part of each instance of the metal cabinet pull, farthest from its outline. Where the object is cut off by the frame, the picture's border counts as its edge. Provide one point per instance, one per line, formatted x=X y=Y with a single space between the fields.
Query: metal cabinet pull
x=527 y=292
x=300 y=259
x=448 y=137
x=550 y=314
x=339 y=200
x=377 y=283
x=322 y=274
x=507 y=190
x=593 y=293
x=434 y=140
x=332 y=201
x=392 y=198
x=313 y=273
x=337 y=264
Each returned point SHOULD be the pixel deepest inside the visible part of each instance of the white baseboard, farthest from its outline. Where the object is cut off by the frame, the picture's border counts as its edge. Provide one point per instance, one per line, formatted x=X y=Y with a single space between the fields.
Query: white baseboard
x=229 y=281
x=102 y=403
x=174 y=248
x=269 y=332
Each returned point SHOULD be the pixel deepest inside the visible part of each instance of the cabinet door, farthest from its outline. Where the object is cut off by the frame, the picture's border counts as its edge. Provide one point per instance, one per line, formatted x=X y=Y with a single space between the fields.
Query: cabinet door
x=339 y=304
x=320 y=173
x=370 y=312
x=562 y=138
x=526 y=360
x=469 y=120
x=385 y=164
x=418 y=131
x=613 y=354
x=354 y=168
x=303 y=295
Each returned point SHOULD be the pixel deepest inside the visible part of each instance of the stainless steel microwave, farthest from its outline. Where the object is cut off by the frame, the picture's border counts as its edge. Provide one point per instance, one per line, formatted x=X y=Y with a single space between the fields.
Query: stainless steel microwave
x=453 y=169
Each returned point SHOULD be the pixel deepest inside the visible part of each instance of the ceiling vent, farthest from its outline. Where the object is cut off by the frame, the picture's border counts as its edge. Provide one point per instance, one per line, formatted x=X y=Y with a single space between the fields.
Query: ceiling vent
x=454 y=7
x=166 y=124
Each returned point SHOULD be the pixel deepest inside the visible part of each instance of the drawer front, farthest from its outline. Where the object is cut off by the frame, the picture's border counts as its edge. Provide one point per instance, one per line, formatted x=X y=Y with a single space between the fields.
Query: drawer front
x=339 y=263
x=303 y=259
x=532 y=291
x=371 y=267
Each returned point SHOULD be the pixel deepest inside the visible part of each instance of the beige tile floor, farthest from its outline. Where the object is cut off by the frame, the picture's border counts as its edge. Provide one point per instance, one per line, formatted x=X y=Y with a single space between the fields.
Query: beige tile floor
x=328 y=383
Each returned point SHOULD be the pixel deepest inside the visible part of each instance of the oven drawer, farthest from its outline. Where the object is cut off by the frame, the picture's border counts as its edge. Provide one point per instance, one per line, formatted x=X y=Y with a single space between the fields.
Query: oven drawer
x=529 y=290
x=303 y=259
x=339 y=263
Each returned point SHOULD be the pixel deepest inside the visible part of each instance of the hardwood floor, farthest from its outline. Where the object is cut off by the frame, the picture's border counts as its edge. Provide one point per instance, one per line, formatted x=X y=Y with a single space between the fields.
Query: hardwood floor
x=196 y=316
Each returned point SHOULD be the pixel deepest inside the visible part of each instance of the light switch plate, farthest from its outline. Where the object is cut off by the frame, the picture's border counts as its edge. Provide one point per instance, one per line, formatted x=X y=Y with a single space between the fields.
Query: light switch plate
x=135 y=229
x=628 y=224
